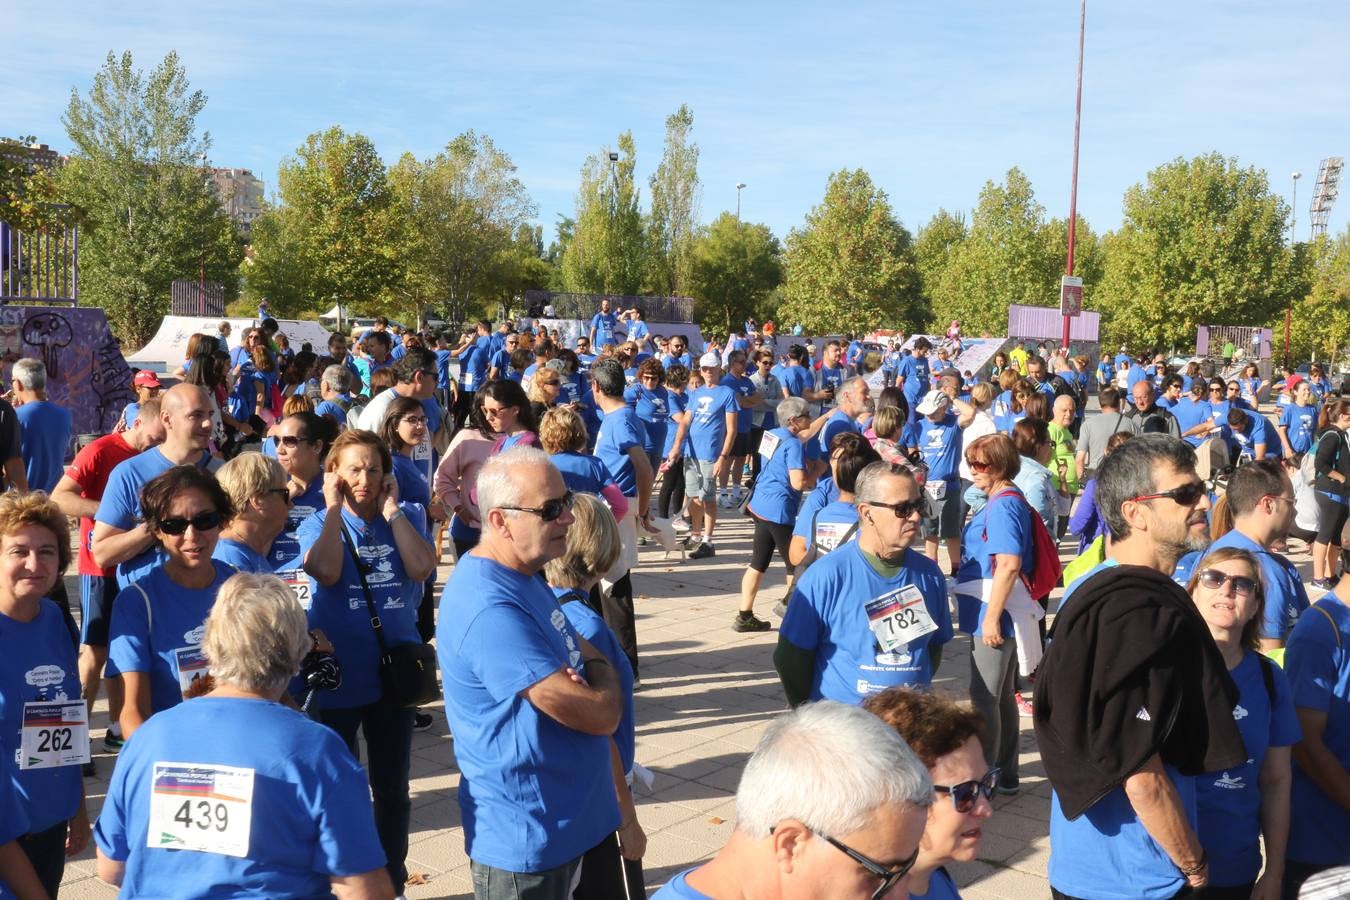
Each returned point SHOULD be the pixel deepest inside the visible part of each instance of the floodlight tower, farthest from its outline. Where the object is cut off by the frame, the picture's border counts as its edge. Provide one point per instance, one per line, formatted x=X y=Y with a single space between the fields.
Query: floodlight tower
x=1327 y=187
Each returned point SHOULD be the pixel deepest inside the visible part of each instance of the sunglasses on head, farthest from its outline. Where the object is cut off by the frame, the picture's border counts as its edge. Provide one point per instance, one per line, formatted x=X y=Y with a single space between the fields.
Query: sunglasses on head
x=202 y=521
x=1215 y=580
x=551 y=509
x=1187 y=495
x=967 y=793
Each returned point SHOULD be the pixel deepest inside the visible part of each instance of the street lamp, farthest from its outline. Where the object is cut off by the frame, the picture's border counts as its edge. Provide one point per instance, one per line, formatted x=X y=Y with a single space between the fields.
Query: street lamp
x=1293 y=218
x=740 y=186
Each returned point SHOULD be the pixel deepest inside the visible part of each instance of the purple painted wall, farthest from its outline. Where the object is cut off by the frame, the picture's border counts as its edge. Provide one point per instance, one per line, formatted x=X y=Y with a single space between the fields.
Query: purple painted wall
x=85 y=370
x=1045 y=323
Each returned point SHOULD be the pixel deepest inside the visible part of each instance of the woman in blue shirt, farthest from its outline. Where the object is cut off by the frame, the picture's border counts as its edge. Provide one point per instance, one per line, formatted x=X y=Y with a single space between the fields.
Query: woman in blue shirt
x=262 y=501
x=651 y=401
x=403 y=430
x=156 y=632
x=39 y=681
x=1298 y=421
x=1250 y=385
x=1243 y=809
x=303 y=440
x=270 y=803
x=563 y=436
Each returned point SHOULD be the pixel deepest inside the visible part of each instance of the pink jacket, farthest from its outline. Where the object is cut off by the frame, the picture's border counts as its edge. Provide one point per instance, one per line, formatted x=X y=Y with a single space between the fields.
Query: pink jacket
x=457 y=475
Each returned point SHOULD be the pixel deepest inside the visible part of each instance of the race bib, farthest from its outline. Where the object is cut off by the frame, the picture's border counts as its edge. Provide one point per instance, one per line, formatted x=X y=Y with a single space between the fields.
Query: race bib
x=899 y=617
x=767 y=445
x=298 y=582
x=422 y=452
x=54 y=734
x=192 y=665
x=830 y=534
x=935 y=489
x=200 y=807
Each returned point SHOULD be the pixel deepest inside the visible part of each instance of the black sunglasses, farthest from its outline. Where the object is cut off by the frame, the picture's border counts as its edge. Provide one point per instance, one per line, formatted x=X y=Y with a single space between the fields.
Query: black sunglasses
x=291 y=441
x=551 y=509
x=203 y=521
x=889 y=877
x=1186 y=495
x=967 y=793
x=282 y=492
x=1215 y=580
x=904 y=509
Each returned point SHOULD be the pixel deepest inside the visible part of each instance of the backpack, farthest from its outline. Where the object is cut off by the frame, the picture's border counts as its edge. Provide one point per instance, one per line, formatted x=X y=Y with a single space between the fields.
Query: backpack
x=1046 y=569
x=1068 y=387
x=1307 y=469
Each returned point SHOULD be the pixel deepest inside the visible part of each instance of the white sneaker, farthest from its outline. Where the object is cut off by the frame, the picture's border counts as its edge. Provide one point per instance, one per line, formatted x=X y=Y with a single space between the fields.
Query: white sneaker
x=680 y=523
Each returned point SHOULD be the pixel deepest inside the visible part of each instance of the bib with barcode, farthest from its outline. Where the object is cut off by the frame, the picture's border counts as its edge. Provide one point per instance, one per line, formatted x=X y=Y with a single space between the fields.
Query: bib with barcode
x=899 y=617
x=768 y=443
x=200 y=807
x=298 y=582
x=54 y=734
x=192 y=665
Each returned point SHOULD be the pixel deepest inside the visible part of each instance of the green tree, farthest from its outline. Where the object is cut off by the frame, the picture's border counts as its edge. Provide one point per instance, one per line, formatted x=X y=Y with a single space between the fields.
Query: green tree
x=934 y=246
x=522 y=266
x=734 y=266
x=1201 y=242
x=607 y=252
x=1321 y=317
x=675 y=191
x=458 y=214
x=136 y=178
x=1010 y=255
x=851 y=267
x=335 y=238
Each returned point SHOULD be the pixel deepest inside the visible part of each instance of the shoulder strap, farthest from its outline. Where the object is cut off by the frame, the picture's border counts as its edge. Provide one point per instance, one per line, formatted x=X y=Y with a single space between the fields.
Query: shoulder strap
x=1334 y=629
x=375 y=624
x=150 y=615
x=1267 y=676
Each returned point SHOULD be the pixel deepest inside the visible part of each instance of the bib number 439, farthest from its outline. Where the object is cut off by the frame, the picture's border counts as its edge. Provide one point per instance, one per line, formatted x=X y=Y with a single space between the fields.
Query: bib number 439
x=201 y=807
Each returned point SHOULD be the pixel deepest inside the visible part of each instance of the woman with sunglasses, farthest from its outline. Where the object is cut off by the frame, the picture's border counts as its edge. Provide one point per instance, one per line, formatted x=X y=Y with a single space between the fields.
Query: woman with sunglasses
x=302 y=442
x=1243 y=809
x=1218 y=402
x=457 y=473
x=945 y=737
x=996 y=549
x=545 y=388
x=1023 y=390
x=156 y=631
x=1331 y=463
x=256 y=485
x=507 y=411
x=366 y=549
x=651 y=401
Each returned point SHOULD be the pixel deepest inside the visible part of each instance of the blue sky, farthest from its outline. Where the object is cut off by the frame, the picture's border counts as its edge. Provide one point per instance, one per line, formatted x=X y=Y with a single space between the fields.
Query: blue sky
x=933 y=99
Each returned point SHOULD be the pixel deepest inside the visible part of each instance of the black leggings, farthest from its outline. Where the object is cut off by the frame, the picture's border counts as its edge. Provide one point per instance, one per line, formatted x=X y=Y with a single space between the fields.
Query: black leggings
x=1331 y=517
x=672 y=488
x=769 y=535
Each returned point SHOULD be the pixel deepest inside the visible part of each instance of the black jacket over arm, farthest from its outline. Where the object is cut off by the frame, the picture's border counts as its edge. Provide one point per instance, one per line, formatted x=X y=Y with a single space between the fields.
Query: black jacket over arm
x=1131 y=671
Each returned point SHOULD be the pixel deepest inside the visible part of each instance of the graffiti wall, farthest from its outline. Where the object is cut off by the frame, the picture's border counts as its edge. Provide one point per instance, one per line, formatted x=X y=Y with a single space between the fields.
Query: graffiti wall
x=85 y=370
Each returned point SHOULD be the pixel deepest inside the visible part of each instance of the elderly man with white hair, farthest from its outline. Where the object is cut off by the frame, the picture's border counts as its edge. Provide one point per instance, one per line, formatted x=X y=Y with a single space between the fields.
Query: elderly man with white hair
x=531 y=704
x=831 y=804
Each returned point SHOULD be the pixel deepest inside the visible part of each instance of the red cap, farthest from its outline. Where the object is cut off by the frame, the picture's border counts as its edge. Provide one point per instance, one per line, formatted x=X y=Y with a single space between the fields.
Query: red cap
x=147 y=379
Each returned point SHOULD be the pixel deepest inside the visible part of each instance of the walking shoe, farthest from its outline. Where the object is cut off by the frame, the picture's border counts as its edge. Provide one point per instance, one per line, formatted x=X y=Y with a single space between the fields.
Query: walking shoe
x=1008 y=790
x=644 y=541
x=422 y=721
x=691 y=541
x=112 y=742
x=747 y=622
x=703 y=551
x=1322 y=584
x=1024 y=705
x=680 y=523
x=89 y=770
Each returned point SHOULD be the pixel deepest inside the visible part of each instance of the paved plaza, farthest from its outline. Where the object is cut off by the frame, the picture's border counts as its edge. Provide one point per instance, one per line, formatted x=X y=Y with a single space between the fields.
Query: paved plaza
x=706 y=695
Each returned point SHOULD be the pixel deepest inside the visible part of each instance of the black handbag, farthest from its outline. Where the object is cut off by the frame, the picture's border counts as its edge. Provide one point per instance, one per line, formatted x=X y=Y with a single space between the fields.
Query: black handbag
x=407 y=671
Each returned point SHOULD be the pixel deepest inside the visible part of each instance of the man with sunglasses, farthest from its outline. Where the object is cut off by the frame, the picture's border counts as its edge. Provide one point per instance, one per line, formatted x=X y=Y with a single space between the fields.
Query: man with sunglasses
x=873 y=613
x=853 y=778
x=532 y=704
x=1133 y=698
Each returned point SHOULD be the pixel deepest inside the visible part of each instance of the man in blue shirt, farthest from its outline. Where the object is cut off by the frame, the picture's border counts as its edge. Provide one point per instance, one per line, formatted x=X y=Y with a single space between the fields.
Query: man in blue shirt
x=1193 y=414
x=709 y=424
x=45 y=426
x=603 y=324
x=474 y=354
x=1040 y=377
x=620 y=446
x=940 y=443
x=748 y=397
x=638 y=332
x=501 y=360
x=585 y=358
x=679 y=352
x=831 y=374
x=852 y=399
x=532 y=726
x=913 y=375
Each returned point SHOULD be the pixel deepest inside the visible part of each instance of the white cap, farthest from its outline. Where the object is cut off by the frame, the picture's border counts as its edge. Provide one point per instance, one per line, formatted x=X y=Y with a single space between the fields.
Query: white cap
x=932 y=401
x=710 y=361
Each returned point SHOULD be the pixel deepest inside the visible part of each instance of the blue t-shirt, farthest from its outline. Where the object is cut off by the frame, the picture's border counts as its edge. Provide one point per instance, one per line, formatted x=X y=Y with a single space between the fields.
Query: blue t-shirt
x=832 y=378
x=831 y=524
x=652 y=406
x=709 y=407
x=473 y=363
x=744 y=387
x=443 y=358
x=940 y=444
x=679 y=402
x=940 y=887
x=1229 y=803
x=774 y=499
x=839 y=422
x=37 y=663
x=620 y=430
x=582 y=472
x=1189 y=413
x=602 y=326
x=1003 y=525
x=310 y=815
x=1317 y=663
x=588 y=623
x=1301 y=422
x=1106 y=854
x=683 y=359
x=340 y=611
x=45 y=439
x=332 y=410
x=285 y=553
x=796 y=379
x=822 y=495
x=241 y=556
x=413 y=486
x=584 y=361
x=914 y=370
x=1286 y=598
x=678 y=888
x=1242 y=444
x=1136 y=374
x=157 y=628
x=831 y=611
x=533 y=793
x=501 y=361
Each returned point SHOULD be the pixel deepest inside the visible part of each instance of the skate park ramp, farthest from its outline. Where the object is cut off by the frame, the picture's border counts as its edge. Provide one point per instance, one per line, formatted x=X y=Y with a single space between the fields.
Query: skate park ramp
x=166 y=349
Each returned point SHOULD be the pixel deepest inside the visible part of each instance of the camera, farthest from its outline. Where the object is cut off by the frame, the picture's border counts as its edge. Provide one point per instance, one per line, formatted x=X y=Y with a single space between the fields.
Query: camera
x=321 y=671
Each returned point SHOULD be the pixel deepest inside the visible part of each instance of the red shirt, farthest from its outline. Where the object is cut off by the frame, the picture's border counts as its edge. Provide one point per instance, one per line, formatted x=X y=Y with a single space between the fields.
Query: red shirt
x=90 y=470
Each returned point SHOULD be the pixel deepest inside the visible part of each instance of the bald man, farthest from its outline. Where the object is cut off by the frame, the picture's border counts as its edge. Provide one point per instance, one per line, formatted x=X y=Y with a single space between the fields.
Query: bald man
x=120 y=538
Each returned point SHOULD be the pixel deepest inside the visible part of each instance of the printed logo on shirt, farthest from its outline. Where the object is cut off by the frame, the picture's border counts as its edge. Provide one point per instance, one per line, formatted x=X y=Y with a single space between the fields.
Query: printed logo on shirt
x=1239 y=713
x=559 y=621
x=43 y=677
x=195 y=636
x=1229 y=783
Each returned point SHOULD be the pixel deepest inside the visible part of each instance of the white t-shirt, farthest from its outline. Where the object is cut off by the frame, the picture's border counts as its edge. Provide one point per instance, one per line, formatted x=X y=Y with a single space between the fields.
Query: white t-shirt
x=982 y=424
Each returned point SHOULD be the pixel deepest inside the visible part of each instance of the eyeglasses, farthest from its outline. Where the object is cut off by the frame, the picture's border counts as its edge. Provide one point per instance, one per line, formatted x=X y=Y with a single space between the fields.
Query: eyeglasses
x=889 y=877
x=551 y=509
x=1186 y=495
x=904 y=509
x=1215 y=580
x=1216 y=390
x=283 y=493
x=291 y=441
x=967 y=793
x=202 y=521
x=414 y=420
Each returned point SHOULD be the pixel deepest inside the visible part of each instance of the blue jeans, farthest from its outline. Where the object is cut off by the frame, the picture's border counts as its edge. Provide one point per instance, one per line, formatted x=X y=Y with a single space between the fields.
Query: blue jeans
x=388 y=732
x=499 y=884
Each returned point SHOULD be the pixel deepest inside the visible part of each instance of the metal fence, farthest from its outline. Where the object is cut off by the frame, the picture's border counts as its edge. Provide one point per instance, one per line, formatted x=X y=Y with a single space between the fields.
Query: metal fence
x=583 y=306
x=195 y=298
x=39 y=268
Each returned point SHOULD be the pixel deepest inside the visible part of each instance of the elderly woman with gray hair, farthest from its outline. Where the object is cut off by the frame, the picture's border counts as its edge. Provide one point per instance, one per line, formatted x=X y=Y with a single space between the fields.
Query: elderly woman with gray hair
x=234 y=788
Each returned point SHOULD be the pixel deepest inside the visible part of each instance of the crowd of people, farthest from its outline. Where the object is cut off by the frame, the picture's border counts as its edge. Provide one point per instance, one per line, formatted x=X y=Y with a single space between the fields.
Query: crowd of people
x=258 y=548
